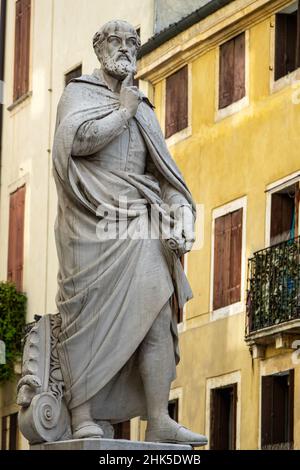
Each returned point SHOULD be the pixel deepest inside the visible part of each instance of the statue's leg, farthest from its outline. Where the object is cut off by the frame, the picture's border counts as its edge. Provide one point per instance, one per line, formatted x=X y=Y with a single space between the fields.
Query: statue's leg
x=157 y=364
x=83 y=425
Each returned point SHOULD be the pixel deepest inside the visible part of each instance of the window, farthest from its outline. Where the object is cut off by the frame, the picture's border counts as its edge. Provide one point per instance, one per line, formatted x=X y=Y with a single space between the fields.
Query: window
x=277 y=411
x=75 y=73
x=9 y=432
x=227 y=259
x=285 y=214
x=173 y=409
x=176 y=102
x=287 y=40
x=22 y=48
x=232 y=74
x=16 y=237
x=223 y=412
x=122 y=430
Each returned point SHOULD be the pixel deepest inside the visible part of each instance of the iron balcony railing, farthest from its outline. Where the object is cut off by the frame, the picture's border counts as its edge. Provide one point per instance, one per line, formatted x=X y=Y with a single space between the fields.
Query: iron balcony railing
x=274 y=286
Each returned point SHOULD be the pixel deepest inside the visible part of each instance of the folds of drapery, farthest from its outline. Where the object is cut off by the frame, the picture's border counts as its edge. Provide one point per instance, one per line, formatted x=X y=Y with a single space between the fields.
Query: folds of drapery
x=110 y=289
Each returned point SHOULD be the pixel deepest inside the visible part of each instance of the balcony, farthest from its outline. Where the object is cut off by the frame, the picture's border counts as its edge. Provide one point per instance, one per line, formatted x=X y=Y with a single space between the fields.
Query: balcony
x=273 y=298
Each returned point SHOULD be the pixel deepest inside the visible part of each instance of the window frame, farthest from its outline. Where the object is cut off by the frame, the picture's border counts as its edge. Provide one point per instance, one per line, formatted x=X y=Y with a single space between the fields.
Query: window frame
x=244 y=102
x=219 y=382
x=233 y=401
x=286 y=80
x=268 y=372
x=26 y=93
x=270 y=190
x=237 y=307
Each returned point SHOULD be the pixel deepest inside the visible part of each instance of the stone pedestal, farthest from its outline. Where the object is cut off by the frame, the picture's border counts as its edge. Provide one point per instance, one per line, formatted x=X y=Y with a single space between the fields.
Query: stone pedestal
x=108 y=444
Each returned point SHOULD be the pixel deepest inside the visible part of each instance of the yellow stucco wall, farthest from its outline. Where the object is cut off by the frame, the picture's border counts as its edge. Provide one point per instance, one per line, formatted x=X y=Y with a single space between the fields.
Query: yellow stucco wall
x=224 y=160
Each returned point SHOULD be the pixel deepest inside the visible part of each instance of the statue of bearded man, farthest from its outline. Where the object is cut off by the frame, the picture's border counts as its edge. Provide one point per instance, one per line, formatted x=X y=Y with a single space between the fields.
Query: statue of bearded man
x=119 y=295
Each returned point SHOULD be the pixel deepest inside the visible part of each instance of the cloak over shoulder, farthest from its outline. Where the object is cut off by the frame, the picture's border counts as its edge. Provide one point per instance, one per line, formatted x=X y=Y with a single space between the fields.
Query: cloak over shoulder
x=110 y=291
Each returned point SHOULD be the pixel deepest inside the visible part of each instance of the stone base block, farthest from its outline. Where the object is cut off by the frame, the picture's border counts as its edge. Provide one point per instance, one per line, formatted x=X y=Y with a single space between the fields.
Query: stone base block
x=107 y=444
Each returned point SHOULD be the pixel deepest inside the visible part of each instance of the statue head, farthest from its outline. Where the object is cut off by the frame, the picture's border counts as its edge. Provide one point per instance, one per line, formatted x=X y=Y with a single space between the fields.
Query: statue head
x=116 y=45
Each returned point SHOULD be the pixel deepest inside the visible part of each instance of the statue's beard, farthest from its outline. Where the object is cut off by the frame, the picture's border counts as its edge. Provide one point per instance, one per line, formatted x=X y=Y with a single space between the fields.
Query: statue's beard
x=118 y=69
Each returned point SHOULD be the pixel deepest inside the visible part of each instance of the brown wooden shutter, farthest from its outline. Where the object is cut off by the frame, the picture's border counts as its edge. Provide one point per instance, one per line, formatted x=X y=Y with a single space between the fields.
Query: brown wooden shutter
x=16 y=238
x=176 y=102
x=232 y=71
x=282 y=213
x=266 y=410
x=22 y=48
x=17 y=68
x=286 y=44
x=234 y=287
x=12 y=236
x=280 y=46
x=13 y=431
x=280 y=409
x=215 y=421
x=226 y=78
x=277 y=409
x=227 y=259
x=218 y=262
x=239 y=67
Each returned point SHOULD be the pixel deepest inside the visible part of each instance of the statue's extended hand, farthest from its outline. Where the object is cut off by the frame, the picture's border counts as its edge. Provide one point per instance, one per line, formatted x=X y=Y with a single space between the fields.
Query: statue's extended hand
x=129 y=96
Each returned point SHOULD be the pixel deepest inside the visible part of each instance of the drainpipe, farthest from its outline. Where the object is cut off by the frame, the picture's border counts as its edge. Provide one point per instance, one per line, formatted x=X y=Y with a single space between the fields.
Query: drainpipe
x=2 y=53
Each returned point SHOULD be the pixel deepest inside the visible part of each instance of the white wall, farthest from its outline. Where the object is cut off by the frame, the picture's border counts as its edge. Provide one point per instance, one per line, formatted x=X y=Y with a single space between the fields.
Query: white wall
x=62 y=32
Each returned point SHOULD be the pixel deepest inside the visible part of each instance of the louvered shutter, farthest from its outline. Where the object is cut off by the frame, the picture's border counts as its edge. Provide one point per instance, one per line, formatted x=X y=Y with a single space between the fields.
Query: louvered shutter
x=16 y=238
x=176 y=102
x=22 y=48
x=227 y=259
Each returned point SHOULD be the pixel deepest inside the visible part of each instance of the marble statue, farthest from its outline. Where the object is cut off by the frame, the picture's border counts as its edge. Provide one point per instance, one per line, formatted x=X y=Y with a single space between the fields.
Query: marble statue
x=111 y=351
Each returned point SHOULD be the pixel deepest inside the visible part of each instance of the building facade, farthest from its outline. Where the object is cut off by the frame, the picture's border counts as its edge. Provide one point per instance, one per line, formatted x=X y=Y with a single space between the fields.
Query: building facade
x=227 y=93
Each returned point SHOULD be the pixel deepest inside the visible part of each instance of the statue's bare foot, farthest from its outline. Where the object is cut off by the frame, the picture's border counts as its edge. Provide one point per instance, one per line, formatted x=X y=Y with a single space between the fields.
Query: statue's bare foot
x=87 y=429
x=165 y=429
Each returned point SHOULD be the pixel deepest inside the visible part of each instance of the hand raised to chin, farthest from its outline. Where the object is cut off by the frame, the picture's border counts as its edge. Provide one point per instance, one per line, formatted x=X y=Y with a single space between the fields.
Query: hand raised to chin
x=129 y=96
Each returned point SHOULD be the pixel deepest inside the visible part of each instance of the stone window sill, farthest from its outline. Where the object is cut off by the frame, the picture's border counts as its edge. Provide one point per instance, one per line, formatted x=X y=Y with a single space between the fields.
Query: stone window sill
x=20 y=100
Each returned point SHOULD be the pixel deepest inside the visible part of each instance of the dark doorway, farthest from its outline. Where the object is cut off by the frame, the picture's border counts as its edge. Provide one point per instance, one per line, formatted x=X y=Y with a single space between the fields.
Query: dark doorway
x=223 y=418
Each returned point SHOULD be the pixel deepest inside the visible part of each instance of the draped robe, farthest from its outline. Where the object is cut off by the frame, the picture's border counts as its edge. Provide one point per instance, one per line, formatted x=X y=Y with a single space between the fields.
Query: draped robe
x=110 y=291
